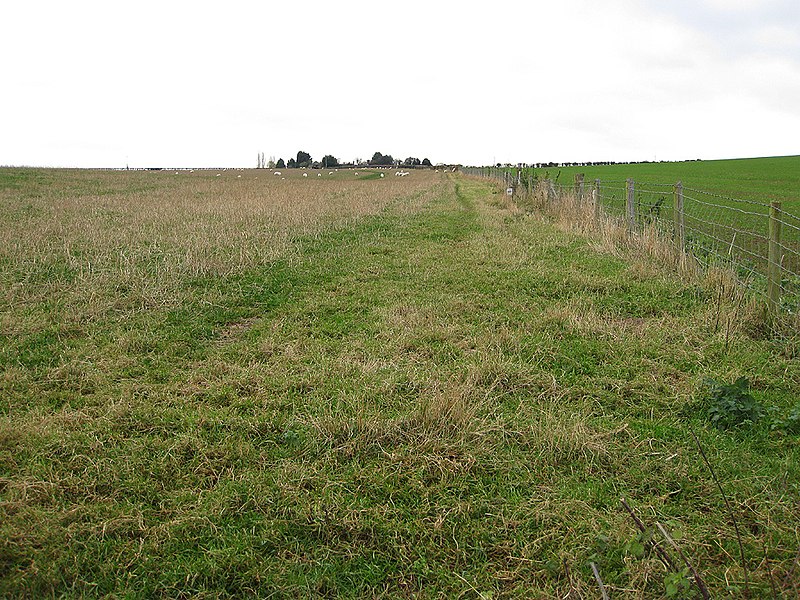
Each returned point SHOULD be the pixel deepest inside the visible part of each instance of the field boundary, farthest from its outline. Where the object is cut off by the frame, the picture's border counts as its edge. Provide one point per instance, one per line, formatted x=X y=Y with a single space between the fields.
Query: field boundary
x=758 y=241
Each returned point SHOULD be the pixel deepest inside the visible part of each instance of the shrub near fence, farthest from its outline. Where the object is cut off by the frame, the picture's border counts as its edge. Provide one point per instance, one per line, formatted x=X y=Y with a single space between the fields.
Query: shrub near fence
x=759 y=241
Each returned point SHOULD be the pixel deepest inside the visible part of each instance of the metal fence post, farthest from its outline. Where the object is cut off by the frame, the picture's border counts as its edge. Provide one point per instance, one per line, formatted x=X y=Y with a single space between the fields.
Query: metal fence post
x=774 y=266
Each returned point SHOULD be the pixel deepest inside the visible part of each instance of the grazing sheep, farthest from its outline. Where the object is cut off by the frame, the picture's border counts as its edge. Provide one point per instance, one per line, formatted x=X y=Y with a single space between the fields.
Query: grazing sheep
x=381 y=175
x=277 y=173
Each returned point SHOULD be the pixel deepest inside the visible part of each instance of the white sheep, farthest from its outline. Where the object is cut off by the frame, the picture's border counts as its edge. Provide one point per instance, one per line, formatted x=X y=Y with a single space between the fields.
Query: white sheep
x=305 y=174
x=277 y=173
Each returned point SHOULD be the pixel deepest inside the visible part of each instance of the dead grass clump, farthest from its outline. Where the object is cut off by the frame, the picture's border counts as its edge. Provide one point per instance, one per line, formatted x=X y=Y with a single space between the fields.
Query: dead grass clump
x=557 y=437
x=445 y=415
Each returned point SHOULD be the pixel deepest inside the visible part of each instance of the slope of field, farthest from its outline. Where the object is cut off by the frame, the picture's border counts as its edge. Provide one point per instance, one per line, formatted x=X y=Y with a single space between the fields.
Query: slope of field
x=226 y=387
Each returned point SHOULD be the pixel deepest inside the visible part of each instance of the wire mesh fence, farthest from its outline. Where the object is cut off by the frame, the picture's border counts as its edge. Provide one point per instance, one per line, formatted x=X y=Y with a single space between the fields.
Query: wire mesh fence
x=759 y=241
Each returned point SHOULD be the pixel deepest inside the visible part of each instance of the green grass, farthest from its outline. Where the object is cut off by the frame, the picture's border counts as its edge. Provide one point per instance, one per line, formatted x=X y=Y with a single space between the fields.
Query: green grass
x=726 y=208
x=757 y=179
x=447 y=398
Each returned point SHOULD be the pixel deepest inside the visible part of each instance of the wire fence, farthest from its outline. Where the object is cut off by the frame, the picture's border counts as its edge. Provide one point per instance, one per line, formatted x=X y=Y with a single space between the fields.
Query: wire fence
x=759 y=241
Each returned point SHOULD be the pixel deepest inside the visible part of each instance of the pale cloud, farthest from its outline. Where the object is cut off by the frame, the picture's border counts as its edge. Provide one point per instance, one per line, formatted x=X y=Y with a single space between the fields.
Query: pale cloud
x=738 y=5
x=195 y=83
x=776 y=37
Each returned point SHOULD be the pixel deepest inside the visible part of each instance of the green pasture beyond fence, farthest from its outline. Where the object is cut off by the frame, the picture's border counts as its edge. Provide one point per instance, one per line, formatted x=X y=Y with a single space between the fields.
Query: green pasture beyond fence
x=760 y=241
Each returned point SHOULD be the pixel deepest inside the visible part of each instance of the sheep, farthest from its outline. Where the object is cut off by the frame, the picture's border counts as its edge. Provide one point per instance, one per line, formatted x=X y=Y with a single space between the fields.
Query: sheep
x=381 y=175
x=305 y=174
x=319 y=174
x=277 y=173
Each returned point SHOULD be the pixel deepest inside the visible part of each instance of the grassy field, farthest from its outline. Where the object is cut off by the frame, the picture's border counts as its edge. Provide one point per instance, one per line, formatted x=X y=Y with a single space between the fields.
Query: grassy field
x=339 y=387
x=758 y=179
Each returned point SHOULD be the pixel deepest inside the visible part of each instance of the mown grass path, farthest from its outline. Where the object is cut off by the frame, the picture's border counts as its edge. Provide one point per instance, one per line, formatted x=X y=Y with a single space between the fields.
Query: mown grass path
x=443 y=402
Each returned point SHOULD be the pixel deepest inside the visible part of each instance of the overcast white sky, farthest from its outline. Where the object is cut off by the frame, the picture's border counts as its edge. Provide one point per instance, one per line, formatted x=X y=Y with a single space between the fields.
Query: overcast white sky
x=195 y=83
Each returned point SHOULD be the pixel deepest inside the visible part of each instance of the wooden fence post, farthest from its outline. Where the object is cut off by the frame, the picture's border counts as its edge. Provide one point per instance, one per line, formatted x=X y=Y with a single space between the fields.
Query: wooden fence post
x=631 y=206
x=678 y=219
x=774 y=267
x=596 y=194
x=579 y=187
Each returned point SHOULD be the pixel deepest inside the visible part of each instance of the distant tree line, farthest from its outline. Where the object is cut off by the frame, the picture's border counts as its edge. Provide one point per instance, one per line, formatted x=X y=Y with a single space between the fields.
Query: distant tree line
x=599 y=163
x=303 y=160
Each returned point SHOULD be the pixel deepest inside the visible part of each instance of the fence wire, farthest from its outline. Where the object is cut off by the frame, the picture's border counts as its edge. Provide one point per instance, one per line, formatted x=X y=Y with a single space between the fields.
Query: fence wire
x=757 y=240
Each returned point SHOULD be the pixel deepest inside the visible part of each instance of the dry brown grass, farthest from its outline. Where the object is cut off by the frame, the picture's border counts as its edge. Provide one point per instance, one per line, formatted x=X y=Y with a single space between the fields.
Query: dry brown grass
x=125 y=241
x=649 y=251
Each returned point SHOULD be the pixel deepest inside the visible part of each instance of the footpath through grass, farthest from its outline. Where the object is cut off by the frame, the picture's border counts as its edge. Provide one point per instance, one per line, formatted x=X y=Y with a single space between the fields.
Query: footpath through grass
x=448 y=402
